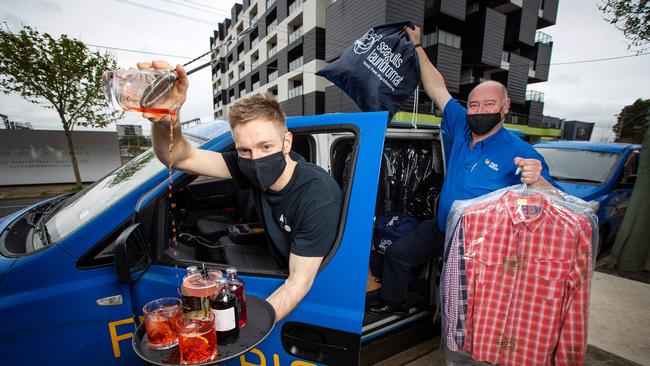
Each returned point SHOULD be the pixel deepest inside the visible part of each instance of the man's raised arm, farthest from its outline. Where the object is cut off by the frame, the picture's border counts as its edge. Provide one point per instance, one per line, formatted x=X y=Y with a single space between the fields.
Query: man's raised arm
x=434 y=84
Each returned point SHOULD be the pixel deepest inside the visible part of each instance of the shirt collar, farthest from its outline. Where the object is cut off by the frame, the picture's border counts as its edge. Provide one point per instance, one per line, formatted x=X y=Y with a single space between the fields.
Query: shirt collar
x=514 y=206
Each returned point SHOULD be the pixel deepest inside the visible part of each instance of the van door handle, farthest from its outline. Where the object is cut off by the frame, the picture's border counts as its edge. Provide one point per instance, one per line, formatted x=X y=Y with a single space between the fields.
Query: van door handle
x=110 y=300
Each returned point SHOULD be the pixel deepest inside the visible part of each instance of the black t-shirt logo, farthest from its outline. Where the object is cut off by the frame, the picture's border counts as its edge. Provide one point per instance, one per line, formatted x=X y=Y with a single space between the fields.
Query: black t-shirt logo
x=283 y=223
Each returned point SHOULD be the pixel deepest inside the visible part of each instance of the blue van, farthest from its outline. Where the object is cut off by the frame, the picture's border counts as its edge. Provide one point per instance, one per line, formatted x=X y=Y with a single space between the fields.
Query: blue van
x=595 y=171
x=76 y=270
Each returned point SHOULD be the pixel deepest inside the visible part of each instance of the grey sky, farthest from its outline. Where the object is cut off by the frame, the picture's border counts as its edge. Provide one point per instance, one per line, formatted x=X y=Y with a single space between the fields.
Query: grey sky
x=587 y=91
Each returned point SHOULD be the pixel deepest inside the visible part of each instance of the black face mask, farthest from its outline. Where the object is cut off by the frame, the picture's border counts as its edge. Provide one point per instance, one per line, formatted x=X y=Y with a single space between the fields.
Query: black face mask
x=480 y=124
x=263 y=172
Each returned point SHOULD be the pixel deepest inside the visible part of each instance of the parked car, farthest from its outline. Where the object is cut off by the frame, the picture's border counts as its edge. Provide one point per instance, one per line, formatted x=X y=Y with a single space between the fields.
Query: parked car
x=595 y=171
x=62 y=302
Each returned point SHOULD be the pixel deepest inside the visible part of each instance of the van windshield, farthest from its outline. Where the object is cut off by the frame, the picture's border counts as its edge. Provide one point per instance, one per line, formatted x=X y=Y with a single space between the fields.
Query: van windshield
x=579 y=166
x=96 y=198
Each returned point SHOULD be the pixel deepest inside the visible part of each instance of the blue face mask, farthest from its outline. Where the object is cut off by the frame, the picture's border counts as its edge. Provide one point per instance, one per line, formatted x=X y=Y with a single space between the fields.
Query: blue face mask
x=263 y=172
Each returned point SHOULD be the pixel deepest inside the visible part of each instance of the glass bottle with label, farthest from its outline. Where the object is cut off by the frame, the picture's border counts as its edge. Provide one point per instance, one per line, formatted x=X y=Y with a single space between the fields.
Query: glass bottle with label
x=238 y=288
x=197 y=288
x=223 y=304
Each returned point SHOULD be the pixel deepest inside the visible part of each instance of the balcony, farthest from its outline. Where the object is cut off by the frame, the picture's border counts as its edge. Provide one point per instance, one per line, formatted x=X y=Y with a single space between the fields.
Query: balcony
x=535 y=96
x=293 y=65
x=270 y=3
x=543 y=38
x=272 y=52
x=255 y=19
x=295 y=6
x=505 y=6
x=255 y=42
x=505 y=60
x=255 y=86
x=255 y=64
x=295 y=92
x=273 y=76
x=295 y=35
x=531 y=69
x=271 y=27
x=469 y=80
x=441 y=37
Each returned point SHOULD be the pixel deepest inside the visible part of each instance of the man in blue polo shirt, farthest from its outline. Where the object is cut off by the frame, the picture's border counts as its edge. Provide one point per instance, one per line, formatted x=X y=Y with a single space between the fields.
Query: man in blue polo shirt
x=482 y=156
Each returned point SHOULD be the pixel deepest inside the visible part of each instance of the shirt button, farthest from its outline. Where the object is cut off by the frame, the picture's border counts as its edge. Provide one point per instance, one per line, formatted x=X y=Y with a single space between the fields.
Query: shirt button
x=503 y=315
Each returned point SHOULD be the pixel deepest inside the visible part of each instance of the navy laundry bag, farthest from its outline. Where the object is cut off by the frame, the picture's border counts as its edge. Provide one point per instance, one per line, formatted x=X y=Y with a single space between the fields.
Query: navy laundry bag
x=379 y=71
x=389 y=227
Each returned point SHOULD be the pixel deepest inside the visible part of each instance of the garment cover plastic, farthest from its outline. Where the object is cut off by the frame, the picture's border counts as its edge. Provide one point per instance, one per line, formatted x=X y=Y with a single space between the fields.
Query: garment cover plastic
x=516 y=278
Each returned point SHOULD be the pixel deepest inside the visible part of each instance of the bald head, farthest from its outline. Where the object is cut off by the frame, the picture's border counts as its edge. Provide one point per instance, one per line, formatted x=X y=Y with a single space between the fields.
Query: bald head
x=492 y=88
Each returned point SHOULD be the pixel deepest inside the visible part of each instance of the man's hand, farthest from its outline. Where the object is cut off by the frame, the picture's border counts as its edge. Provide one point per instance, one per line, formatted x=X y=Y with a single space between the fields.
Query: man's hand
x=414 y=34
x=531 y=170
x=531 y=173
x=175 y=98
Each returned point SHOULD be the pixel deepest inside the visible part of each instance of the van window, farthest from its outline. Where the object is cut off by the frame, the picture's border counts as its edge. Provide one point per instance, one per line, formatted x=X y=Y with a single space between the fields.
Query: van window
x=216 y=221
x=96 y=198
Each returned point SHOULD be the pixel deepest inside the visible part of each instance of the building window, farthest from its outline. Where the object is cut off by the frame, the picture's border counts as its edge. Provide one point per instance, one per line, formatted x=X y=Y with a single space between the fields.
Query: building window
x=441 y=37
x=581 y=133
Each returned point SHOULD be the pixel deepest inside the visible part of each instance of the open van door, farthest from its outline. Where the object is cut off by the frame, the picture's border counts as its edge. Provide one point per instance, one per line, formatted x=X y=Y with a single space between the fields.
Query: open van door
x=326 y=326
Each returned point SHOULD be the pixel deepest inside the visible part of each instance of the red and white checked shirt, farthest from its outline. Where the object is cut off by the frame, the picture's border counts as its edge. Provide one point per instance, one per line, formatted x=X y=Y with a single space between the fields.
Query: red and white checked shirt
x=528 y=264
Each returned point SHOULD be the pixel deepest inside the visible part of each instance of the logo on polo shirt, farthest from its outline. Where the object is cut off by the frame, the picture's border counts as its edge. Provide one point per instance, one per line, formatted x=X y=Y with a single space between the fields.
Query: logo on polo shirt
x=492 y=165
x=283 y=223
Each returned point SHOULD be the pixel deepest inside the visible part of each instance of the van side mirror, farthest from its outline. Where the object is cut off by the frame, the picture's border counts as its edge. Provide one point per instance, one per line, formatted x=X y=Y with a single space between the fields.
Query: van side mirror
x=131 y=255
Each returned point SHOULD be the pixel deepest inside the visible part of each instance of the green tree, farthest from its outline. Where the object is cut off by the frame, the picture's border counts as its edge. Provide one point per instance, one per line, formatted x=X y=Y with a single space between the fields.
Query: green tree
x=630 y=16
x=632 y=245
x=633 y=122
x=60 y=74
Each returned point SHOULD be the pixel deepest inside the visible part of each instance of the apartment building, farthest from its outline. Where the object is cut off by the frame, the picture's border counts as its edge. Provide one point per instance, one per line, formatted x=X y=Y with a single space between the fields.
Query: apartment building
x=271 y=45
x=278 y=45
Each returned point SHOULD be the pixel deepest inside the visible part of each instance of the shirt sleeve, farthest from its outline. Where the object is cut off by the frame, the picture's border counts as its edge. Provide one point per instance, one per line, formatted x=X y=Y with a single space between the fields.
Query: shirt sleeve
x=451 y=291
x=317 y=230
x=230 y=157
x=454 y=120
x=572 y=345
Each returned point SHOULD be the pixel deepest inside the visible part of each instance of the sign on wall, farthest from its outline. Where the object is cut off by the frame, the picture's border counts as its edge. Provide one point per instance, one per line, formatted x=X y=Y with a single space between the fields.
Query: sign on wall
x=40 y=156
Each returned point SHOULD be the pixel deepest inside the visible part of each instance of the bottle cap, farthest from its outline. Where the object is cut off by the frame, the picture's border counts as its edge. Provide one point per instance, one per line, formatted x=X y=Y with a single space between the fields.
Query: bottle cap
x=231 y=270
x=221 y=281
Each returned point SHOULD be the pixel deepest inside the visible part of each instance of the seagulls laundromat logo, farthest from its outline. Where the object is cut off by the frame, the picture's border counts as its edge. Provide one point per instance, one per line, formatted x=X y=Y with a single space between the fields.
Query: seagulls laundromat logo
x=492 y=165
x=365 y=43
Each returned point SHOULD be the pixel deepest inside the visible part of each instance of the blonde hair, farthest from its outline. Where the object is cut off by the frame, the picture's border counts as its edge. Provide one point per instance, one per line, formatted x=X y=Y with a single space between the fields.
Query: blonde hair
x=256 y=106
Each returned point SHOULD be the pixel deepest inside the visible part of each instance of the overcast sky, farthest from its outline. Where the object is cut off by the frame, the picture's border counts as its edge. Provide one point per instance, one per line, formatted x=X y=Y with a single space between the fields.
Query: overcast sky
x=593 y=92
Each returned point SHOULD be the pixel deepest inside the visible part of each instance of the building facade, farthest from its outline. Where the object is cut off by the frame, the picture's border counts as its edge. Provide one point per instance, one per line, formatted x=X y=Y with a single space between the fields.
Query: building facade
x=278 y=45
x=577 y=130
x=275 y=46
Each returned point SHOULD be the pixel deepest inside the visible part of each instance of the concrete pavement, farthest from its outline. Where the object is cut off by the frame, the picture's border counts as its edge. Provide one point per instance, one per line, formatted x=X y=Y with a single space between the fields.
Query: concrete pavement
x=619 y=317
x=619 y=327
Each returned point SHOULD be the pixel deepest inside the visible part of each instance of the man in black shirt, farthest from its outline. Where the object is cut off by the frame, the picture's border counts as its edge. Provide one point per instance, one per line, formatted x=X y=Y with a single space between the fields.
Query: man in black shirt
x=299 y=203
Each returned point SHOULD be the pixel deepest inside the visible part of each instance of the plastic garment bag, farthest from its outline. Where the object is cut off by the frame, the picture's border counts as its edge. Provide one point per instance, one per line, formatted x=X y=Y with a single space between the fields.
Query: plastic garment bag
x=379 y=71
x=516 y=278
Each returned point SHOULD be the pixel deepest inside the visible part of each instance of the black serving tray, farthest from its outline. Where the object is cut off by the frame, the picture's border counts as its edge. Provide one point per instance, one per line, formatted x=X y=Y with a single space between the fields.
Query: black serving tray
x=261 y=319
